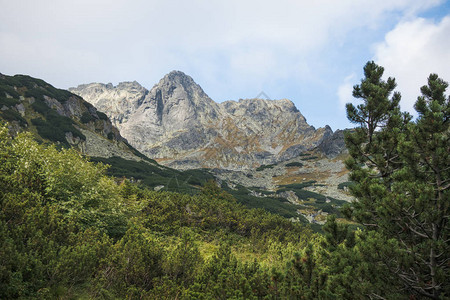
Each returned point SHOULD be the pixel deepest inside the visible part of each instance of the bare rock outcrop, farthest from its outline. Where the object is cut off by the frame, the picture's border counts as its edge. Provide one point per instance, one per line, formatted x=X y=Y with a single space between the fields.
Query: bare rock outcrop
x=179 y=125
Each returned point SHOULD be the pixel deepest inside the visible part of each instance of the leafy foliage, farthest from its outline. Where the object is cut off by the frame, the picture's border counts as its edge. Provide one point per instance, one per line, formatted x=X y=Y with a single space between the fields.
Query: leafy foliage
x=67 y=230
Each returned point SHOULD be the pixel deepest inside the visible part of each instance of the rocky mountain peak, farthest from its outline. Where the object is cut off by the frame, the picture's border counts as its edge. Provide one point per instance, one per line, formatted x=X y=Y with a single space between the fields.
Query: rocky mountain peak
x=177 y=123
x=176 y=87
x=178 y=76
x=130 y=85
x=118 y=101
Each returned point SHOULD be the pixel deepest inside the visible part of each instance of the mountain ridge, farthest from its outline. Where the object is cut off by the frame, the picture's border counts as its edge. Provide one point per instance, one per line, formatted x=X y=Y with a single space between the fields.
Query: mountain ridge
x=179 y=125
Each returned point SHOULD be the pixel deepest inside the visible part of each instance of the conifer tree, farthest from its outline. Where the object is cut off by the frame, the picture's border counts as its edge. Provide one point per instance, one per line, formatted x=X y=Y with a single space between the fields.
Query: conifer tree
x=402 y=173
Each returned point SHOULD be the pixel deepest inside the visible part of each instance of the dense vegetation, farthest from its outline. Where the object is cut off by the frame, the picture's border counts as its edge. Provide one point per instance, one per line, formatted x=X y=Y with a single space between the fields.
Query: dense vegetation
x=313 y=200
x=49 y=124
x=152 y=175
x=270 y=203
x=66 y=229
x=401 y=171
x=156 y=176
x=69 y=231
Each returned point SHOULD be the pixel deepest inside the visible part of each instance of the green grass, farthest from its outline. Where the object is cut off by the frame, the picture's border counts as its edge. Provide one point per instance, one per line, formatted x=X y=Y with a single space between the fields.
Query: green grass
x=152 y=175
x=33 y=87
x=298 y=186
x=139 y=154
x=6 y=89
x=55 y=127
x=304 y=154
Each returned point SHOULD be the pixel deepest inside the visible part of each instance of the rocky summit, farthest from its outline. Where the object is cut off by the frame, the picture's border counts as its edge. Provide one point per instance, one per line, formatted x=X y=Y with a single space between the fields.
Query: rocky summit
x=179 y=125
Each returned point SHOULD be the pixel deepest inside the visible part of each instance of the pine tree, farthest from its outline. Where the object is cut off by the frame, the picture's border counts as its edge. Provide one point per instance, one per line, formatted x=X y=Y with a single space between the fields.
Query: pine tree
x=402 y=173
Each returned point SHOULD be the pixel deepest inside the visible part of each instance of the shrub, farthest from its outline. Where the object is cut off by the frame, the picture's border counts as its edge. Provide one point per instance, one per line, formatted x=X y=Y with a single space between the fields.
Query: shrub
x=12 y=115
x=344 y=185
x=86 y=117
x=102 y=116
x=262 y=167
x=294 y=164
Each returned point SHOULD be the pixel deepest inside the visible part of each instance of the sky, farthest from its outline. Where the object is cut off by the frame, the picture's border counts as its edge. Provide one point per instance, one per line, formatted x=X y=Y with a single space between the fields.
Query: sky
x=311 y=52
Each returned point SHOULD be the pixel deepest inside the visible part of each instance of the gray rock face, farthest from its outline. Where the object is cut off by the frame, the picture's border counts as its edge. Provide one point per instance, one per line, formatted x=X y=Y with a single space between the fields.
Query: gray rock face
x=128 y=96
x=179 y=125
x=334 y=144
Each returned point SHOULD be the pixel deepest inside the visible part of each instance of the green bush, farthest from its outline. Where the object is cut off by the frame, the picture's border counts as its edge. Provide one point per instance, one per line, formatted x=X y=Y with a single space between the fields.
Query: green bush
x=309 y=158
x=69 y=231
x=297 y=186
x=262 y=167
x=86 y=117
x=294 y=164
x=6 y=89
x=102 y=116
x=151 y=174
x=55 y=128
x=275 y=205
x=10 y=115
x=346 y=184
x=9 y=102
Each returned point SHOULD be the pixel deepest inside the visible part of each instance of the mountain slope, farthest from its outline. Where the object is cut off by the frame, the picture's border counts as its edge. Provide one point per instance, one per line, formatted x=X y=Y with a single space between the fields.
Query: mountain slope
x=60 y=117
x=177 y=124
x=65 y=119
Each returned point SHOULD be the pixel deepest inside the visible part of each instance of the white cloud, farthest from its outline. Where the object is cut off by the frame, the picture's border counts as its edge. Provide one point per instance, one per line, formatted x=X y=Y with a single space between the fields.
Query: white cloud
x=297 y=49
x=413 y=50
x=169 y=34
x=345 y=90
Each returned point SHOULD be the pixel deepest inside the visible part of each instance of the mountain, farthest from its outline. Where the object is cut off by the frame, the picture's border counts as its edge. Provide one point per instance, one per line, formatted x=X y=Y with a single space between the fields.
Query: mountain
x=59 y=117
x=304 y=186
x=180 y=126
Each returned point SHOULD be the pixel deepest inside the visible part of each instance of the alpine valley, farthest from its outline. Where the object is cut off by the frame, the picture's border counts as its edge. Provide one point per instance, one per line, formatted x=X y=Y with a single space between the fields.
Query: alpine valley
x=174 y=137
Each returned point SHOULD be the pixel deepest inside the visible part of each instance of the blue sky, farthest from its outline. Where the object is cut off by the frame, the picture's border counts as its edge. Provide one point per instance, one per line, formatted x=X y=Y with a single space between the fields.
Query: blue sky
x=311 y=52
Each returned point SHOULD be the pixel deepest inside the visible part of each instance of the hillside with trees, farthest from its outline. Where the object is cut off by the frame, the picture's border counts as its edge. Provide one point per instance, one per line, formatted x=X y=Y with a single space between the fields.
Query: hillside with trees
x=70 y=231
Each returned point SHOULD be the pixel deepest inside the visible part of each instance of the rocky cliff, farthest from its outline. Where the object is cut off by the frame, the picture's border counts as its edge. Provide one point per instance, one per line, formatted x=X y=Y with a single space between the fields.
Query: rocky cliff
x=178 y=124
x=60 y=117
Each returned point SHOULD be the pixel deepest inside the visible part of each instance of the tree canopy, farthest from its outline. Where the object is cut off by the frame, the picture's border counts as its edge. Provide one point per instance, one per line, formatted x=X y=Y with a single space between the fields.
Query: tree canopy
x=401 y=170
